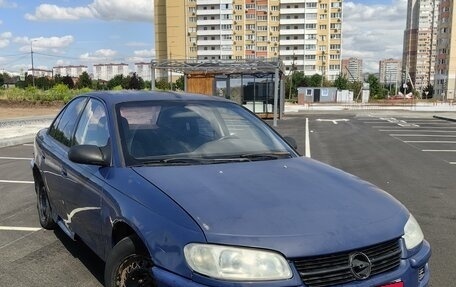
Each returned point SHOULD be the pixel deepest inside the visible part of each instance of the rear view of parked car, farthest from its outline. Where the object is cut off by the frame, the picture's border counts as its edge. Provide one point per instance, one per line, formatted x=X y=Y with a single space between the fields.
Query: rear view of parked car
x=189 y=190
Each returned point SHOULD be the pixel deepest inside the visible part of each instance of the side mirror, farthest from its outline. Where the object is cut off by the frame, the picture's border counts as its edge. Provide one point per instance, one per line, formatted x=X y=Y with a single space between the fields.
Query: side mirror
x=291 y=141
x=87 y=154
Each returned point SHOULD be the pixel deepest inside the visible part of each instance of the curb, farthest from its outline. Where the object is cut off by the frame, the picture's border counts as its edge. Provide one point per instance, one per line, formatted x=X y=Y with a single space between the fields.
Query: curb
x=445 y=118
x=17 y=140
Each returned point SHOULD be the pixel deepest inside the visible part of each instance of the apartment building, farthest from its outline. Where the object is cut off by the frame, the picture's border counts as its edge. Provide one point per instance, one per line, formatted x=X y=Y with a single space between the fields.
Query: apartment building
x=419 y=54
x=352 y=69
x=390 y=71
x=108 y=71
x=305 y=34
x=143 y=70
x=445 y=77
x=72 y=71
x=40 y=73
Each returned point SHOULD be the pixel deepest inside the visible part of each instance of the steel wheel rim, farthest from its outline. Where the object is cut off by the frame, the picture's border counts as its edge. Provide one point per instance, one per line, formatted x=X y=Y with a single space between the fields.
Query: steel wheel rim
x=134 y=271
x=43 y=204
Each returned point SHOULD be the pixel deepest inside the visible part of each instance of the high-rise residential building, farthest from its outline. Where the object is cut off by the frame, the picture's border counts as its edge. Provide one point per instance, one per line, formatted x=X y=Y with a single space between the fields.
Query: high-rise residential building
x=445 y=69
x=143 y=70
x=39 y=72
x=72 y=71
x=390 y=71
x=108 y=71
x=305 y=34
x=418 y=59
x=352 y=69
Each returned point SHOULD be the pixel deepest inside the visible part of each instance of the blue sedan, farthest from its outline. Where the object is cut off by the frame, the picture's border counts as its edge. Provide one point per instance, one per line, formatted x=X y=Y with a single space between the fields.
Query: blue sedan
x=188 y=190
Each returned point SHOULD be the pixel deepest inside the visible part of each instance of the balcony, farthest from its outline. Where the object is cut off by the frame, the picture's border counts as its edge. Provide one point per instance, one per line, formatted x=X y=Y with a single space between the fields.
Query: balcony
x=208 y=22
x=292 y=21
x=288 y=11
x=208 y=32
x=292 y=32
x=208 y=42
x=211 y=2
x=208 y=12
x=291 y=42
x=209 y=53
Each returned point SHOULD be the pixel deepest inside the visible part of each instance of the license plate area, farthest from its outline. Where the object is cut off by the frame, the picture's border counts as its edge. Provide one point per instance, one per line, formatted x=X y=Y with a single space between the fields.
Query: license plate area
x=395 y=284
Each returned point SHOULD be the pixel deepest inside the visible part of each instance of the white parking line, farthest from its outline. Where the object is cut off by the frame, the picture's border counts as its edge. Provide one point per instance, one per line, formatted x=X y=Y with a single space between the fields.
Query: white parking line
x=307 y=138
x=418 y=135
x=452 y=162
x=16 y=158
x=15 y=181
x=399 y=128
x=445 y=142
x=14 y=228
x=439 y=150
x=415 y=130
x=28 y=144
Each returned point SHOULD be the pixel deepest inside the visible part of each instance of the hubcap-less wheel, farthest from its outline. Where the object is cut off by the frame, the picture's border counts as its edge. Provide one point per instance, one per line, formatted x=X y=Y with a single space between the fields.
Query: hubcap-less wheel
x=44 y=208
x=134 y=271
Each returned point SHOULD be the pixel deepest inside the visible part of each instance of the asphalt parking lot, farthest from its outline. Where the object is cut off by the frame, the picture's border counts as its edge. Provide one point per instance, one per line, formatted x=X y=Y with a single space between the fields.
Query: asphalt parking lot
x=410 y=155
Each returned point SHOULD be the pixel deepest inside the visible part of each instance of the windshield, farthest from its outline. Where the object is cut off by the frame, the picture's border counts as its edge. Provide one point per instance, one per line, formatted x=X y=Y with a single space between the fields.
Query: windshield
x=198 y=132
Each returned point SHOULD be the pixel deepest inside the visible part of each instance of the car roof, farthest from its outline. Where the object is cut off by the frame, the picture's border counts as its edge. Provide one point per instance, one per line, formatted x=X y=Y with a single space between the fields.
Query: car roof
x=115 y=97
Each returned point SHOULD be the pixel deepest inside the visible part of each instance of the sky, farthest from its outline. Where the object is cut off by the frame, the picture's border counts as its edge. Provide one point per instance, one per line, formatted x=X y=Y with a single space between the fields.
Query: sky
x=87 y=32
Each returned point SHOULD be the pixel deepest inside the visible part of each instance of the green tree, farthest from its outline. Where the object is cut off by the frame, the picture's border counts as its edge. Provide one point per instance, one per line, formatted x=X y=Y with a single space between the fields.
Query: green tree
x=44 y=83
x=356 y=88
x=162 y=85
x=315 y=80
x=180 y=83
x=134 y=83
x=68 y=81
x=114 y=82
x=84 y=81
x=375 y=88
x=2 y=80
x=341 y=83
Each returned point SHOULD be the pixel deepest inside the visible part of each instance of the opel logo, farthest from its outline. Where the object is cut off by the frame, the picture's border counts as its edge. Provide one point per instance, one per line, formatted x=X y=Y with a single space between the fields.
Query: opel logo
x=360 y=265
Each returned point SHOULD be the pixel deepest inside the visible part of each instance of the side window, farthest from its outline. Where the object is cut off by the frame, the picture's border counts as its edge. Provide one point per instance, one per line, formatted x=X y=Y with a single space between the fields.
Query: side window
x=93 y=126
x=65 y=127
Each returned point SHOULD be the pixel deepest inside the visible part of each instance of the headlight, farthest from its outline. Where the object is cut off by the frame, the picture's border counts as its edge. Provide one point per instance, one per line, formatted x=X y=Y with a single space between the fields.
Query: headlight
x=233 y=263
x=412 y=233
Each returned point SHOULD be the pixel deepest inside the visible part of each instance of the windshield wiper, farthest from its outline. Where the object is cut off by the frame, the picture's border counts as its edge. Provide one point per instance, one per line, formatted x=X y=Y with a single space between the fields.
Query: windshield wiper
x=190 y=161
x=266 y=155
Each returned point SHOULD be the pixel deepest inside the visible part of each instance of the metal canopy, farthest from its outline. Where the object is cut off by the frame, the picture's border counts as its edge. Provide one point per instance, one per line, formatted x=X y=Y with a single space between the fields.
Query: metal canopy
x=254 y=66
x=226 y=67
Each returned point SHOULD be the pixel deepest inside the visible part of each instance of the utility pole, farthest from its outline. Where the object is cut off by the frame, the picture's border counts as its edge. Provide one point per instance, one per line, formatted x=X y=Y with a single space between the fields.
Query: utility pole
x=33 y=69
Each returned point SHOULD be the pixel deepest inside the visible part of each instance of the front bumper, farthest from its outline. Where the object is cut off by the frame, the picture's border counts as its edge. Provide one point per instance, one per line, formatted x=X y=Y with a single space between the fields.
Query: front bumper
x=413 y=272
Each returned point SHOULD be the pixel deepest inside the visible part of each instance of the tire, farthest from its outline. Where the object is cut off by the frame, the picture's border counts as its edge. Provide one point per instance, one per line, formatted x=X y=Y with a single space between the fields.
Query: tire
x=128 y=265
x=44 y=206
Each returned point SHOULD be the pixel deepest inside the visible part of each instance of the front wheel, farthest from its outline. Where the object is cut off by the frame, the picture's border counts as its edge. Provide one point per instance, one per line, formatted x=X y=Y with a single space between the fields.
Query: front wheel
x=43 y=206
x=128 y=265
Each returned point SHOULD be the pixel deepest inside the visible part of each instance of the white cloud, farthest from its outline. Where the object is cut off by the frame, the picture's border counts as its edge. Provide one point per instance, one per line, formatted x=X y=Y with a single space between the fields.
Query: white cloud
x=373 y=32
x=48 y=11
x=109 y=10
x=41 y=44
x=5 y=39
x=145 y=53
x=99 y=55
x=7 y=4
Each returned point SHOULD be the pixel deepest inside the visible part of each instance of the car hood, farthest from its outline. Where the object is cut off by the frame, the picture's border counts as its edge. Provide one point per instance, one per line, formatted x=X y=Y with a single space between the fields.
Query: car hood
x=297 y=206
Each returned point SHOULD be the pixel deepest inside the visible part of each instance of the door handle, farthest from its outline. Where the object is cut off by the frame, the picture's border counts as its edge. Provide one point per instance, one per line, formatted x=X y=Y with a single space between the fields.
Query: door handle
x=63 y=172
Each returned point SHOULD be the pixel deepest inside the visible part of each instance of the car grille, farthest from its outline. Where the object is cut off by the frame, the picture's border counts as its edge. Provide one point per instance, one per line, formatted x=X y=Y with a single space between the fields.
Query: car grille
x=334 y=269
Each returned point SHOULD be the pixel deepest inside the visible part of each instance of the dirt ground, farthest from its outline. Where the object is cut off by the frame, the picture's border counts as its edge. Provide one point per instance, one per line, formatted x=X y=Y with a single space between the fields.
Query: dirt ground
x=9 y=110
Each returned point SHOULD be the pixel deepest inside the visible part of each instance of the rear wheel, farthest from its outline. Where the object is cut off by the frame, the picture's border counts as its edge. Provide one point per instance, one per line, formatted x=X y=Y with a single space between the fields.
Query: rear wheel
x=43 y=206
x=129 y=265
